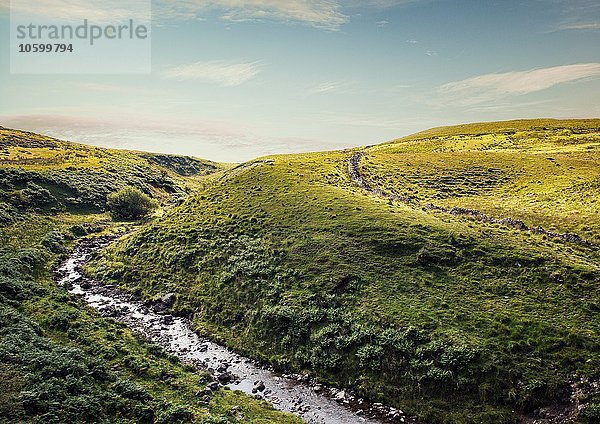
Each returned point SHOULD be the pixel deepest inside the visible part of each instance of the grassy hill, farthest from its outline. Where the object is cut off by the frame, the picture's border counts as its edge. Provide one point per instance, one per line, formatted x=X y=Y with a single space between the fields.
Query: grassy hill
x=59 y=360
x=56 y=176
x=450 y=318
x=543 y=172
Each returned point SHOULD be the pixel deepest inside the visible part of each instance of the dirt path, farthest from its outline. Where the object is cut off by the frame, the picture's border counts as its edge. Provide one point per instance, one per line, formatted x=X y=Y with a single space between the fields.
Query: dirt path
x=359 y=179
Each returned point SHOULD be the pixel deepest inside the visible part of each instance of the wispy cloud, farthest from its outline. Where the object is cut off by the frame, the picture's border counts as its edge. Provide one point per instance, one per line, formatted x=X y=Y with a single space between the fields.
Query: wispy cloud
x=224 y=73
x=77 y=10
x=330 y=86
x=217 y=140
x=380 y=4
x=493 y=86
x=581 y=26
x=576 y=15
x=325 y=14
x=205 y=138
x=382 y=23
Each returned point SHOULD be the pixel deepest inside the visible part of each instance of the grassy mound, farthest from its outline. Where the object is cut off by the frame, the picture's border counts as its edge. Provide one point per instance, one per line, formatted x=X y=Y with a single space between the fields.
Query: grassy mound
x=451 y=319
x=45 y=174
x=59 y=360
x=540 y=172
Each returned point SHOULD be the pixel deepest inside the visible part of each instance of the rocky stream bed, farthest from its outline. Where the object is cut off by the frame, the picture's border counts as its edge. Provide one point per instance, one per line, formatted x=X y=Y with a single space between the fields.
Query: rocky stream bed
x=298 y=394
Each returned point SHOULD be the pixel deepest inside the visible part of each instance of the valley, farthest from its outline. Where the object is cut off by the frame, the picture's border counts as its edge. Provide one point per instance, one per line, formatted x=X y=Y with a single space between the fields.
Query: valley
x=452 y=274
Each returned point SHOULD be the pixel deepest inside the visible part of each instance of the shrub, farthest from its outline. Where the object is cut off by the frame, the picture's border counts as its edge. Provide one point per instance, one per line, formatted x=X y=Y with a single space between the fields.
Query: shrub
x=130 y=390
x=36 y=196
x=79 y=230
x=130 y=203
x=7 y=213
x=176 y=415
x=591 y=414
x=54 y=241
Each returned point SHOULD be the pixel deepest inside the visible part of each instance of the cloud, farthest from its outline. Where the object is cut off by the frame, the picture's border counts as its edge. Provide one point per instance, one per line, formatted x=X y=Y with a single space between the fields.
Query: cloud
x=224 y=73
x=225 y=141
x=204 y=138
x=107 y=11
x=580 y=27
x=575 y=15
x=324 y=14
x=493 y=86
x=382 y=24
x=317 y=13
x=330 y=86
x=379 y=4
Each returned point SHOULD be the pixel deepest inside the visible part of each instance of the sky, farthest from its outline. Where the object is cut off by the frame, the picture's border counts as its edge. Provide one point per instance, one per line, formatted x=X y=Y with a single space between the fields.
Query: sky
x=232 y=80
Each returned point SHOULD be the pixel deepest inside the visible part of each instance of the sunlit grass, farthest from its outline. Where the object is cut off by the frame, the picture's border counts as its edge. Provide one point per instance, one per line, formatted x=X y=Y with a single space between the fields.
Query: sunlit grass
x=449 y=318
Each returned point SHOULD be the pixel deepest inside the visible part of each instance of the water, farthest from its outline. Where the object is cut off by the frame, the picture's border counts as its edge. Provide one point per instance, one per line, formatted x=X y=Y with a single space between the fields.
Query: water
x=314 y=403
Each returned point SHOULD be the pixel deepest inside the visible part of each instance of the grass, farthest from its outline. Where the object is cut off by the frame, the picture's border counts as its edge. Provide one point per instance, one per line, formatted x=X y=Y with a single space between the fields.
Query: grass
x=542 y=172
x=55 y=176
x=450 y=319
x=59 y=360
x=286 y=260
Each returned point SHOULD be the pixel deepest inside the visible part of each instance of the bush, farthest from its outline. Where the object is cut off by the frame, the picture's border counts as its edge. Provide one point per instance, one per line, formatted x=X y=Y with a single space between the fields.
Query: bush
x=36 y=196
x=176 y=415
x=591 y=414
x=54 y=241
x=130 y=203
x=7 y=213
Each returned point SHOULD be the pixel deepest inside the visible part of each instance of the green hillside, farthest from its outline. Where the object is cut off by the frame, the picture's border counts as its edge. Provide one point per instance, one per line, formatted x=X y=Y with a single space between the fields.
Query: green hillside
x=542 y=172
x=450 y=318
x=56 y=176
x=60 y=362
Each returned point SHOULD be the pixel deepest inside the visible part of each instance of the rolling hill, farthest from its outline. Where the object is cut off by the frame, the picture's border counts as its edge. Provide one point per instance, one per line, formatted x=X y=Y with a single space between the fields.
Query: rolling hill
x=60 y=361
x=453 y=273
x=545 y=173
x=63 y=176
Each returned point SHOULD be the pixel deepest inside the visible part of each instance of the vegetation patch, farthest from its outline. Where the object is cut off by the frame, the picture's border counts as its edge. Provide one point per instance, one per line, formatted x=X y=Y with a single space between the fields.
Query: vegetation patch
x=59 y=360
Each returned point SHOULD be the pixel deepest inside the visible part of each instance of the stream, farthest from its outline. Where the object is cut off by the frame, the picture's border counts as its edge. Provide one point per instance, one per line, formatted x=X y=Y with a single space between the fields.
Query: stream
x=313 y=402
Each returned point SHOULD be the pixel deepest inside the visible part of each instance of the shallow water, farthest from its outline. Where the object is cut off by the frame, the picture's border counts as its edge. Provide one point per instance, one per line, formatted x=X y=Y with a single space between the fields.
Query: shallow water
x=314 y=403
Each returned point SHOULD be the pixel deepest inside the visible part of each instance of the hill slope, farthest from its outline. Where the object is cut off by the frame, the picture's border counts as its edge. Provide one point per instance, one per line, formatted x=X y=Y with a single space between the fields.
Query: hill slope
x=545 y=173
x=53 y=175
x=59 y=360
x=450 y=318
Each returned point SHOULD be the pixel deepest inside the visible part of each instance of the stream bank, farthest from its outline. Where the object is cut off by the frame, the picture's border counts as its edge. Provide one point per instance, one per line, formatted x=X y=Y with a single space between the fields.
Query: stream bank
x=297 y=394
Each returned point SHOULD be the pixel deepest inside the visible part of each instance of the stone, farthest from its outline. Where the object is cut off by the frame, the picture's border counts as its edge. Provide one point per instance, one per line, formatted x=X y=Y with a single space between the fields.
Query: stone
x=203 y=392
x=340 y=396
x=168 y=299
x=225 y=378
